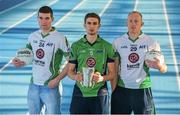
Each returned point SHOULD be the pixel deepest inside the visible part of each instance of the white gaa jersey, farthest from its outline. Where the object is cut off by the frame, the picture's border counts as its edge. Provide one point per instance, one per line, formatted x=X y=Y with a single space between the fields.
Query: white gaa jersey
x=48 y=52
x=133 y=72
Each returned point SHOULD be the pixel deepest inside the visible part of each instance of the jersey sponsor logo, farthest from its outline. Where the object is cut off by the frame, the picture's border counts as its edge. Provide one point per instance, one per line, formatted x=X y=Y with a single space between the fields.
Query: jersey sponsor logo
x=49 y=44
x=40 y=53
x=133 y=57
x=39 y=62
x=35 y=41
x=82 y=51
x=99 y=51
x=91 y=62
x=123 y=47
x=142 y=46
x=130 y=66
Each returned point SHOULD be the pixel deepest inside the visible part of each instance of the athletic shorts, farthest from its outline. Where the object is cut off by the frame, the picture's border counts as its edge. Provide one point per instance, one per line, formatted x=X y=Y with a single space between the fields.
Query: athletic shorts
x=126 y=101
x=89 y=105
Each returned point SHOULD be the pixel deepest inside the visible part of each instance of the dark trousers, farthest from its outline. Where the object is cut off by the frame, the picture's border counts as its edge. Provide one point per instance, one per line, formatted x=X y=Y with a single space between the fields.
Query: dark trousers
x=89 y=105
x=124 y=101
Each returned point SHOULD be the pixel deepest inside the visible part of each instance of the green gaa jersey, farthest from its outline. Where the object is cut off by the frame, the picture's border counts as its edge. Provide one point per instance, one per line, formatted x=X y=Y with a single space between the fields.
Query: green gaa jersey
x=96 y=56
x=133 y=73
x=48 y=52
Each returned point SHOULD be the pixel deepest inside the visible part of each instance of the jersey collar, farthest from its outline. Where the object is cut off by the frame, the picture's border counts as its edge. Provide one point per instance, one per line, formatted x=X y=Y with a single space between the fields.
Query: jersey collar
x=51 y=31
x=84 y=39
x=136 y=38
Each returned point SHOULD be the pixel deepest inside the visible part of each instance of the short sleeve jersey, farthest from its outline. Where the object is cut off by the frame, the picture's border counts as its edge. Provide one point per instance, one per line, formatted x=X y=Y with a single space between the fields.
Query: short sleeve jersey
x=95 y=55
x=133 y=71
x=48 y=52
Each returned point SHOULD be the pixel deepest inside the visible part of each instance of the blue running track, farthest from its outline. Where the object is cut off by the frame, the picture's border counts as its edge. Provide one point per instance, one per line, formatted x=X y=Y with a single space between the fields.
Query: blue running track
x=18 y=18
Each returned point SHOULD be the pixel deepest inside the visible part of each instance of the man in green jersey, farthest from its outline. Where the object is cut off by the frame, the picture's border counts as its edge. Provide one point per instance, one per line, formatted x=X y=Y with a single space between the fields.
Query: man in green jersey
x=95 y=56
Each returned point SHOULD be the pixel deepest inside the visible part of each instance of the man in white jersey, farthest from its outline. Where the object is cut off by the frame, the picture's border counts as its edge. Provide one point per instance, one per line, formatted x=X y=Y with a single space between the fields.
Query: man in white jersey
x=48 y=47
x=132 y=86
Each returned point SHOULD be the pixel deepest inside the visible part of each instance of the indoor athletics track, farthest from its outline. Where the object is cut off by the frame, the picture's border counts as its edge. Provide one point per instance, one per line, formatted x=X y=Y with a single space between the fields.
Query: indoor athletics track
x=18 y=18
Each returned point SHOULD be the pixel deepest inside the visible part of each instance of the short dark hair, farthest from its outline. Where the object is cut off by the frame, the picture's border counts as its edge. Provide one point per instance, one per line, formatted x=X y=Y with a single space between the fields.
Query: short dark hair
x=45 y=9
x=93 y=15
x=132 y=12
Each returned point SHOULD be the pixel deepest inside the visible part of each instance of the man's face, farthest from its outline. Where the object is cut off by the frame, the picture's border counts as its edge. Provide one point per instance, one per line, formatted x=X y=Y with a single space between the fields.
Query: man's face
x=45 y=21
x=92 y=26
x=134 y=23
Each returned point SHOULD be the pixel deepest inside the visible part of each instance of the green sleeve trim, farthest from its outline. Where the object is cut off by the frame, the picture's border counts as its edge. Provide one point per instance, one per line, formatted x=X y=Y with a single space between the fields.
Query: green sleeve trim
x=111 y=52
x=55 y=65
x=147 y=82
x=29 y=46
x=120 y=82
x=73 y=55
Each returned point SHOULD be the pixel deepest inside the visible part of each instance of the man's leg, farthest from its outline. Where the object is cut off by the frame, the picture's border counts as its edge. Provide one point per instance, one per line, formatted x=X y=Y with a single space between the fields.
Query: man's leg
x=142 y=101
x=120 y=101
x=99 y=105
x=34 y=102
x=51 y=98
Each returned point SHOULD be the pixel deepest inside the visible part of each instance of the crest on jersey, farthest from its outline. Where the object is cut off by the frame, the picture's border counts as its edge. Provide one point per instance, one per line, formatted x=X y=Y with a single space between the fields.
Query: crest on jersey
x=40 y=53
x=91 y=62
x=133 y=57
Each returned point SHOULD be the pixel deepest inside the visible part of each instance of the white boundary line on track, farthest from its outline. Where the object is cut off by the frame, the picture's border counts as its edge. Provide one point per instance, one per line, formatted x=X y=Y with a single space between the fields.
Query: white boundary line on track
x=136 y=4
x=5 y=66
x=20 y=21
x=171 y=43
x=69 y=13
x=105 y=8
x=14 y=7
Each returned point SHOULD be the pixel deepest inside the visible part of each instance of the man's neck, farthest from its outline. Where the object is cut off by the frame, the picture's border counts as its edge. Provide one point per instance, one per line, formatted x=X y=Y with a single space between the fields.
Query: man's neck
x=91 y=38
x=45 y=32
x=134 y=36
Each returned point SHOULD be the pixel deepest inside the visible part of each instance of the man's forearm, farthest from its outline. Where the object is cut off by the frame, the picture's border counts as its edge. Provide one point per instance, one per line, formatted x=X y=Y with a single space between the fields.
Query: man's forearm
x=63 y=73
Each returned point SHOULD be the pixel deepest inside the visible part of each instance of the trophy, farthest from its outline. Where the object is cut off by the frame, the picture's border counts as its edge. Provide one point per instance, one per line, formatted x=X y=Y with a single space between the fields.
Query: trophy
x=87 y=76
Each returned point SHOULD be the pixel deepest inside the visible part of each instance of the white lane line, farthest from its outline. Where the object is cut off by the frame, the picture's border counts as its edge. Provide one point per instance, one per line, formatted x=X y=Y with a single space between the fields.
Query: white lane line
x=20 y=21
x=136 y=5
x=171 y=43
x=5 y=66
x=69 y=13
x=1 y=57
x=20 y=4
x=105 y=8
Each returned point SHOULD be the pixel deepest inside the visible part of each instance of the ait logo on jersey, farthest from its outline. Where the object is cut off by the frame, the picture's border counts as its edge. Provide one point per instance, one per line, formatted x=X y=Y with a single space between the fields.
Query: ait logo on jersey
x=40 y=53
x=133 y=57
x=91 y=62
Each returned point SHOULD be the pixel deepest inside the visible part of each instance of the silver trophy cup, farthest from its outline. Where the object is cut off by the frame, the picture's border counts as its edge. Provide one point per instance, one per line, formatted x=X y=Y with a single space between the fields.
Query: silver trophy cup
x=87 y=76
